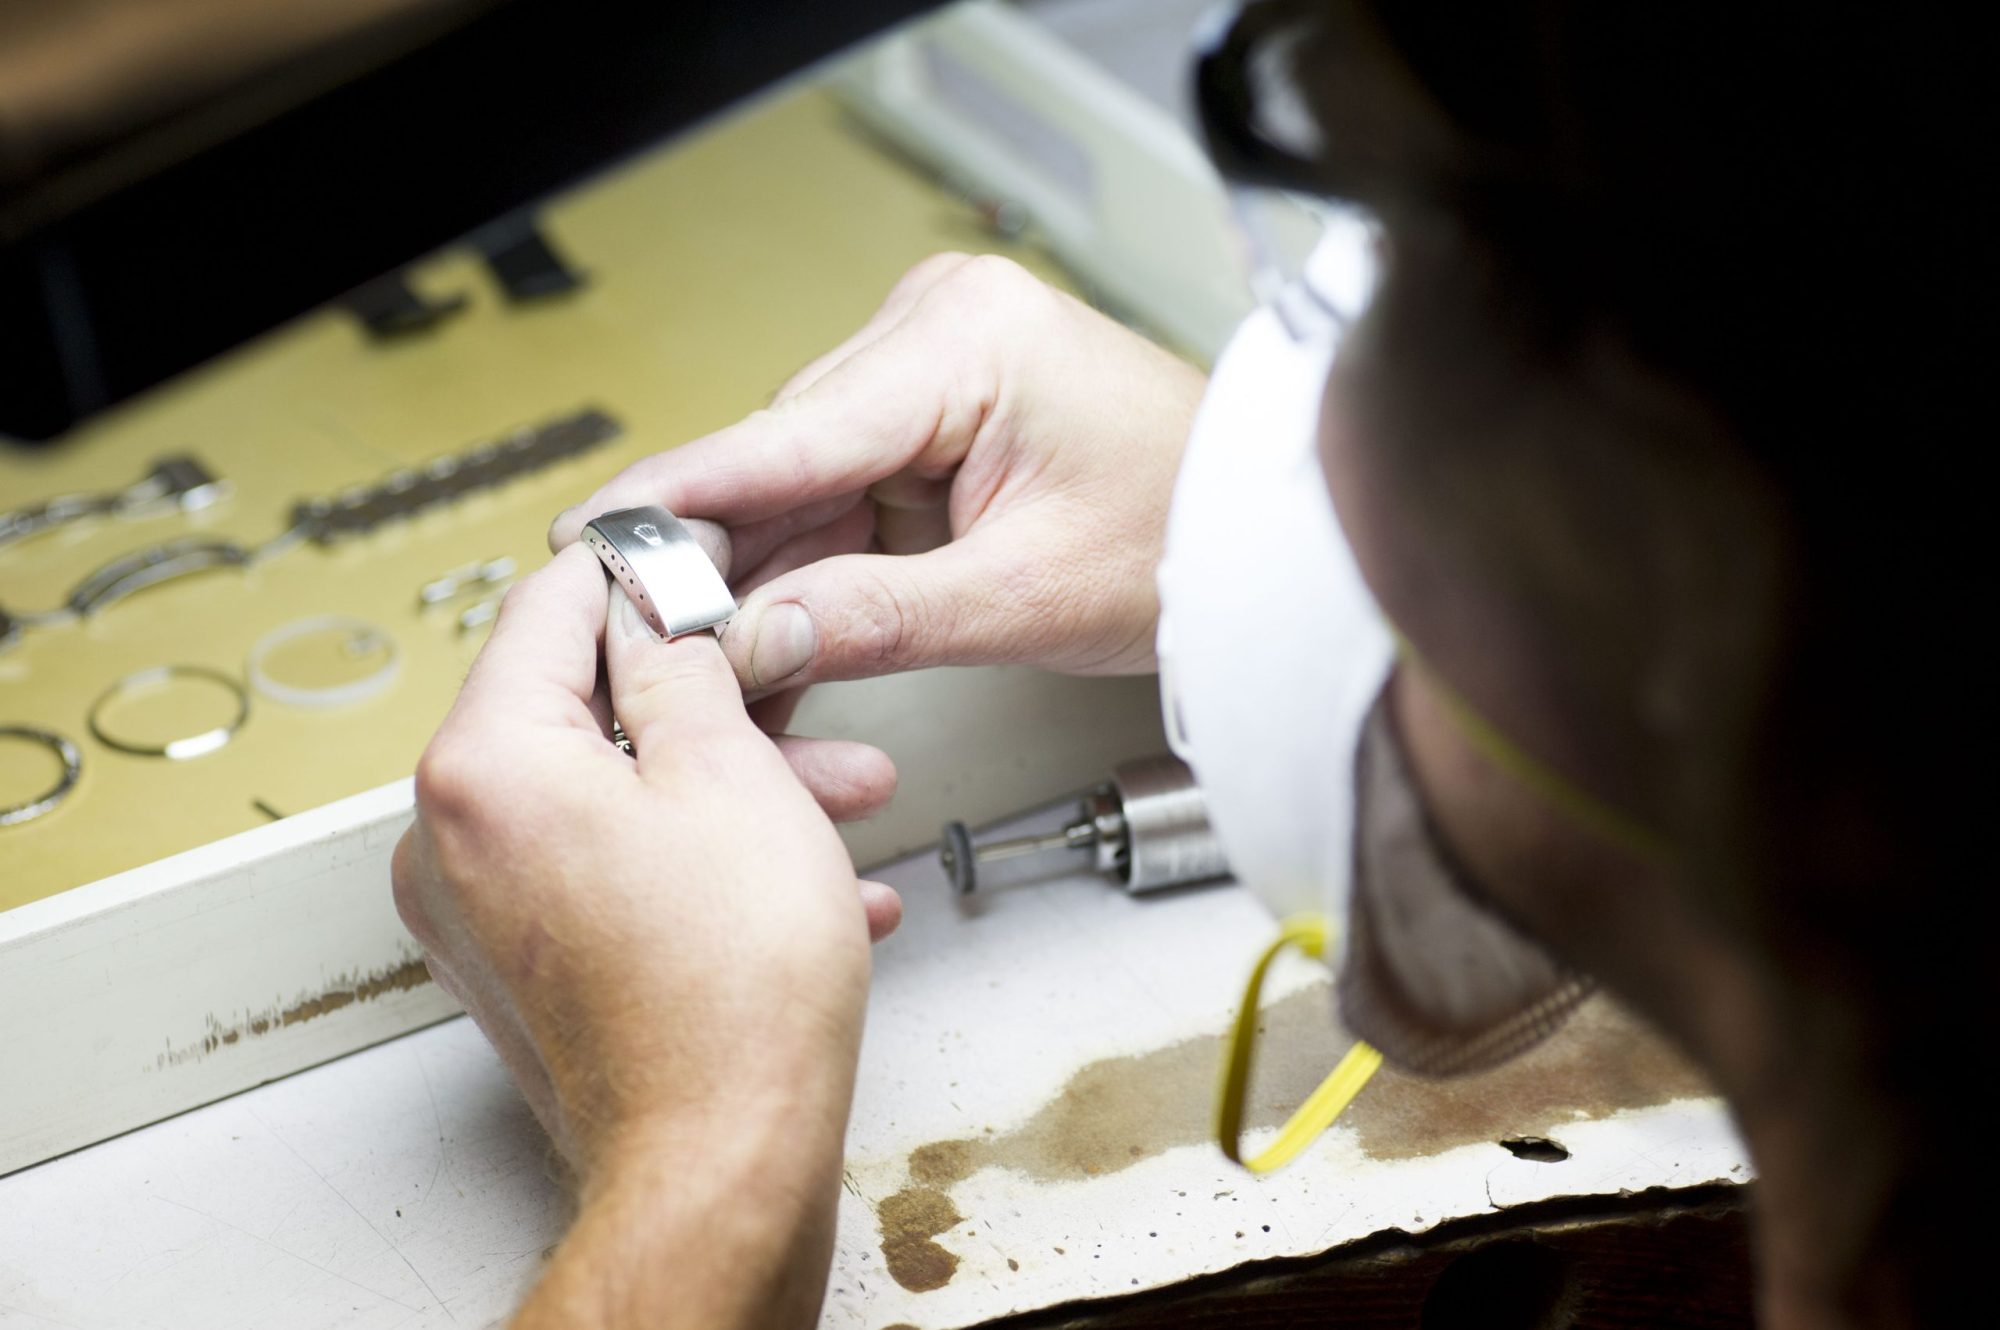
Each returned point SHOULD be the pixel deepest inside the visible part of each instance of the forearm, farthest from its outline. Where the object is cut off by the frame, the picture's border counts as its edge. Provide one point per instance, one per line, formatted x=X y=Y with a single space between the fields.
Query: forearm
x=723 y=1222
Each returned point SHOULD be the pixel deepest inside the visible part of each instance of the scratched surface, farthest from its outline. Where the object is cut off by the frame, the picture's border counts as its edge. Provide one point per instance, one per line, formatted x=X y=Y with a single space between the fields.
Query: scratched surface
x=1029 y=1129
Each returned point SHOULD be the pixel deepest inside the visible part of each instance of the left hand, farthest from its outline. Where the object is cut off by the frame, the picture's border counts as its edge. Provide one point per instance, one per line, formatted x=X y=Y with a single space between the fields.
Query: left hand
x=670 y=953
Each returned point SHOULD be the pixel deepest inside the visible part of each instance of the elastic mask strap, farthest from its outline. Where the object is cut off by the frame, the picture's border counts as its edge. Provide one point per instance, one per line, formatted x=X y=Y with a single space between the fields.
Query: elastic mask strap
x=1582 y=809
x=1310 y=933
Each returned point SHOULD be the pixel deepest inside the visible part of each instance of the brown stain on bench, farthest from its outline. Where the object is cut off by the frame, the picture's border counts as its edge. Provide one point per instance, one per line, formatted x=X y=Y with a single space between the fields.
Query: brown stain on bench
x=345 y=991
x=1118 y=1111
x=909 y=1221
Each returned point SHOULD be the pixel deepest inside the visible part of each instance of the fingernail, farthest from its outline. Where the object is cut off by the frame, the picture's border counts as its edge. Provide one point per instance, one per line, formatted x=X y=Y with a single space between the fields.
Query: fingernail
x=784 y=643
x=630 y=626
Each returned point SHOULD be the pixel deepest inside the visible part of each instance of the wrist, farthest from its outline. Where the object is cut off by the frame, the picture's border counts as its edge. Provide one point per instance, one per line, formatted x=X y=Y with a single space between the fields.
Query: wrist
x=715 y=1215
x=733 y=1091
x=758 y=1051
x=769 y=1105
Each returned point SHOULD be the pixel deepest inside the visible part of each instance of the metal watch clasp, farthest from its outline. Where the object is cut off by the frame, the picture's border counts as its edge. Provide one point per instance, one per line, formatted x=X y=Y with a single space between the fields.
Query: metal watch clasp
x=658 y=563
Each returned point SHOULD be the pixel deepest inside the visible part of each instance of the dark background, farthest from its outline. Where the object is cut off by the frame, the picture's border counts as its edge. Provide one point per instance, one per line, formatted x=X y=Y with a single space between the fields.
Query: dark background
x=140 y=257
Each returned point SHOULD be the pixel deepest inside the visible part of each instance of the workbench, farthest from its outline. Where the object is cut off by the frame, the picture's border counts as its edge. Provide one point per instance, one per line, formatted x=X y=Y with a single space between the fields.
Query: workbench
x=176 y=931
x=1031 y=1132
x=1030 y=1140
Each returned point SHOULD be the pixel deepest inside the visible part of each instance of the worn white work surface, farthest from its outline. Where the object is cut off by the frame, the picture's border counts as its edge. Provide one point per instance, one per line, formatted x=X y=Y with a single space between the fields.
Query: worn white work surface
x=1028 y=1131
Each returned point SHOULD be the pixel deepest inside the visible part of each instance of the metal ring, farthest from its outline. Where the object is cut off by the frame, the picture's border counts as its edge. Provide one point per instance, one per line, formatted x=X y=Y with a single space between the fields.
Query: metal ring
x=193 y=745
x=338 y=695
x=72 y=760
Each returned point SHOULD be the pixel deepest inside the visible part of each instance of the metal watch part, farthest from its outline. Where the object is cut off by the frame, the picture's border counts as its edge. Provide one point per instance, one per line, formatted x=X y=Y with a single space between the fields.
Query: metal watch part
x=451 y=585
x=324 y=521
x=179 y=483
x=403 y=494
x=657 y=563
x=363 y=637
x=66 y=752
x=147 y=567
x=187 y=746
x=482 y=612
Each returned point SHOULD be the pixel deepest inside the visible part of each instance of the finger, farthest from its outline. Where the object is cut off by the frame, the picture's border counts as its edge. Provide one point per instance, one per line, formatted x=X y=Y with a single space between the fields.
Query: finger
x=851 y=533
x=900 y=530
x=600 y=706
x=849 y=780
x=773 y=714
x=754 y=542
x=669 y=696
x=908 y=290
x=539 y=664
x=858 y=616
x=715 y=541
x=905 y=401
x=883 y=907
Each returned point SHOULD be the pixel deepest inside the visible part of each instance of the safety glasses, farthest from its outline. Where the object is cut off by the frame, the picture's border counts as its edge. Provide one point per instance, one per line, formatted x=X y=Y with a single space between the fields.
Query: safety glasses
x=1261 y=136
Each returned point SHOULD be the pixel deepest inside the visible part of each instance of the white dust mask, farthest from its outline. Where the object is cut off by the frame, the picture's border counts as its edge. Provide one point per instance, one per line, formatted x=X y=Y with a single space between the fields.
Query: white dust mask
x=1273 y=665
x=1271 y=648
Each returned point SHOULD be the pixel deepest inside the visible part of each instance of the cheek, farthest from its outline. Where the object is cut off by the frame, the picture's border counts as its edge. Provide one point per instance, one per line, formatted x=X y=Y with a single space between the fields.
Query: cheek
x=1342 y=464
x=1406 y=550
x=1383 y=487
x=1468 y=544
x=1531 y=862
x=1615 y=916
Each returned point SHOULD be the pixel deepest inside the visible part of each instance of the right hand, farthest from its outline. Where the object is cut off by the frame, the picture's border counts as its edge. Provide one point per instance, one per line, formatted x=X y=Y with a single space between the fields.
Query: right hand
x=980 y=475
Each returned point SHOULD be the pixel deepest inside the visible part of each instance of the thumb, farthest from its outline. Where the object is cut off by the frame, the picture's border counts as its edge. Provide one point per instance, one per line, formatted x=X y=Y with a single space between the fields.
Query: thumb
x=857 y=616
x=676 y=696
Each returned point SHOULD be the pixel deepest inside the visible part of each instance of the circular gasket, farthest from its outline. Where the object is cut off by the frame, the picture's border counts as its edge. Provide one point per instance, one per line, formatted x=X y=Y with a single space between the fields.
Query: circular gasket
x=339 y=695
x=178 y=750
x=72 y=759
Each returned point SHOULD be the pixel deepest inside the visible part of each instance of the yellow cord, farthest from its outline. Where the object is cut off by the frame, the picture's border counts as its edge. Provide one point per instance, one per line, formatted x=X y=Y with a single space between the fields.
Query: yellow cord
x=1587 y=811
x=1310 y=933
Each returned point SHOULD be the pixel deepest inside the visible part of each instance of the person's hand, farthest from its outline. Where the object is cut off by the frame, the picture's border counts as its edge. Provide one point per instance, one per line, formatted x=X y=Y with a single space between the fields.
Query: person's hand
x=670 y=951
x=1016 y=444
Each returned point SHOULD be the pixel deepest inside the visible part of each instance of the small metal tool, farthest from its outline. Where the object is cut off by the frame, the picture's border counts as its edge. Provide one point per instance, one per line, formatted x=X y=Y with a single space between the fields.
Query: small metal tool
x=1147 y=826
x=657 y=562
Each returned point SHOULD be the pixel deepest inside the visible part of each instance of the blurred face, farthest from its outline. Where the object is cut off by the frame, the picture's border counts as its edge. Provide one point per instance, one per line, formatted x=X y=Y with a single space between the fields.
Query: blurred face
x=1580 y=568
x=1598 y=590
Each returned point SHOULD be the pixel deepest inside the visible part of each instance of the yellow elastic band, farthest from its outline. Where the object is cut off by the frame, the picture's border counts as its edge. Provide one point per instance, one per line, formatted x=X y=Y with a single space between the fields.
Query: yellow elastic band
x=1503 y=754
x=1310 y=933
